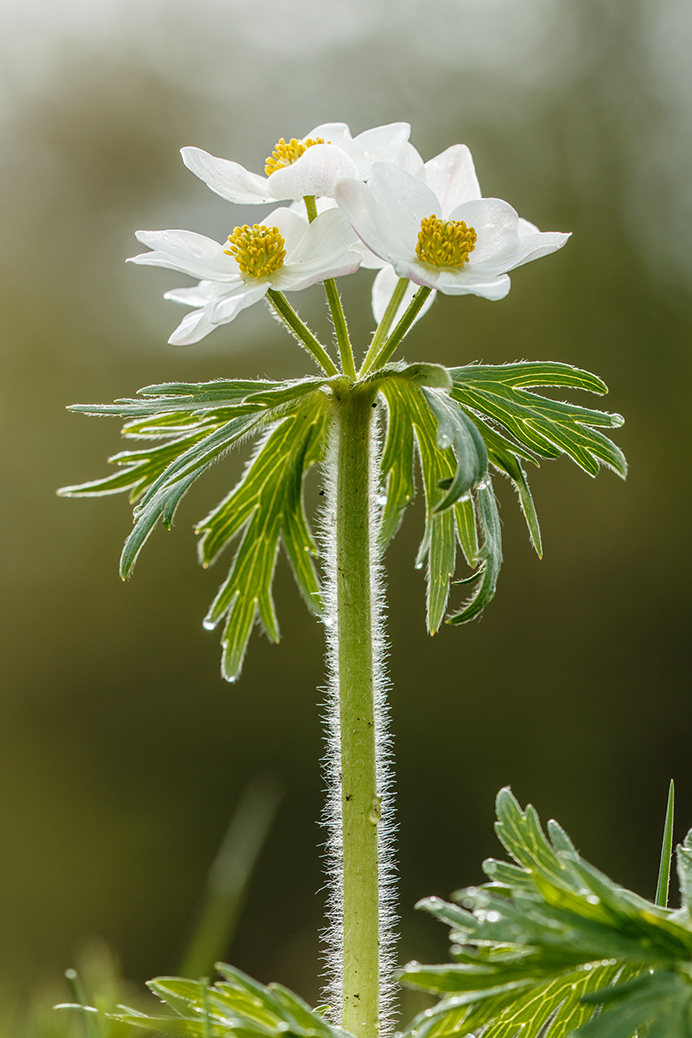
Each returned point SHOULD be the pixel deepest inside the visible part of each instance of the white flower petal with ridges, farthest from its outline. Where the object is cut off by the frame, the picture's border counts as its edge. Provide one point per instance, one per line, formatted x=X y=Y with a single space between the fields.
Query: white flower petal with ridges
x=370 y=221
x=187 y=252
x=228 y=179
x=224 y=309
x=317 y=172
x=324 y=251
x=380 y=144
x=193 y=327
x=452 y=177
x=198 y=295
x=406 y=199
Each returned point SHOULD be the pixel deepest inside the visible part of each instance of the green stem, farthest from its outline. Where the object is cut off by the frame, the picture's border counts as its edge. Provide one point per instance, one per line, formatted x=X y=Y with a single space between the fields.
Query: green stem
x=382 y=330
x=414 y=308
x=341 y=328
x=335 y=307
x=356 y=674
x=302 y=333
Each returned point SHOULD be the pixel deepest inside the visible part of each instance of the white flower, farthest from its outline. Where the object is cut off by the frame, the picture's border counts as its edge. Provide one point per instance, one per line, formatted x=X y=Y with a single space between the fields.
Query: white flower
x=436 y=229
x=310 y=166
x=286 y=254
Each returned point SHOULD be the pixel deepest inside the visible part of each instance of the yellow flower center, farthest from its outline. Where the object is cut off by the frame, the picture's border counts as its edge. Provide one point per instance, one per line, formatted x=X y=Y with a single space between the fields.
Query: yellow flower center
x=445 y=243
x=259 y=250
x=286 y=154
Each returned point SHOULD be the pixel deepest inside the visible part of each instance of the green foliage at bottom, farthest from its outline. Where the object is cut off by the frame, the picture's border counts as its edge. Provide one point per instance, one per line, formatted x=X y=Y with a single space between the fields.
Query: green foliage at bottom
x=236 y=1005
x=551 y=947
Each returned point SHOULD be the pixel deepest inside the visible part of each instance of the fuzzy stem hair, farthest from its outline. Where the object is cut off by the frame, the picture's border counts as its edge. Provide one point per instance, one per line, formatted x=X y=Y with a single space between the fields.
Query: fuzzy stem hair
x=359 y=811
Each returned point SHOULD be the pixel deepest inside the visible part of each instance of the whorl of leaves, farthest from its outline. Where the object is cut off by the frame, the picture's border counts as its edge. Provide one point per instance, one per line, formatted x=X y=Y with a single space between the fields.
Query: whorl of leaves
x=455 y=422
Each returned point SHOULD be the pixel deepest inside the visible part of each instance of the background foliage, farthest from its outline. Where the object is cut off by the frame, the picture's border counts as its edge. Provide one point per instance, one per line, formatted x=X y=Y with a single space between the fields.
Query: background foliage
x=122 y=754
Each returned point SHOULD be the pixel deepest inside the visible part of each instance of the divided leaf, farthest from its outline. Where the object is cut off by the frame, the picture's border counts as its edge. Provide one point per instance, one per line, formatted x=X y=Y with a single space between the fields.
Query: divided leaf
x=266 y=505
x=548 y=942
x=546 y=427
x=453 y=461
x=235 y=1007
x=198 y=424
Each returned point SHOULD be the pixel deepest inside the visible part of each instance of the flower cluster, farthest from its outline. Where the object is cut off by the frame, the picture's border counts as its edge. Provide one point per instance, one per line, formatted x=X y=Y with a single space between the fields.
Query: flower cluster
x=365 y=201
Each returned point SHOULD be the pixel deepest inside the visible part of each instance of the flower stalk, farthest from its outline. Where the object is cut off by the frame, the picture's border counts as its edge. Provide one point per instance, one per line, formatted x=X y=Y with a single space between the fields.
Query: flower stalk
x=357 y=758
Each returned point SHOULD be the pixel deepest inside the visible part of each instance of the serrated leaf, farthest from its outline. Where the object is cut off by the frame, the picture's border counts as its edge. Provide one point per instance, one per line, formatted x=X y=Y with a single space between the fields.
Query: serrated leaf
x=505 y=457
x=455 y=429
x=407 y=406
x=236 y=1007
x=266 y=505
x=198 y=424
x=551 y=942
x=545 y=426
x=489 y=555
x=521 y=835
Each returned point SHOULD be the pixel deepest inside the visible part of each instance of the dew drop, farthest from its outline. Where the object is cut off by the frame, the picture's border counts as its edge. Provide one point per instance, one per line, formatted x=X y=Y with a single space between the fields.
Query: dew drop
x=328 y=622
x=208 y=624
x=484 y=484
x=381 y=499
x=419 y=565
x=593 y=899
x=494 y=917
x=444 y=441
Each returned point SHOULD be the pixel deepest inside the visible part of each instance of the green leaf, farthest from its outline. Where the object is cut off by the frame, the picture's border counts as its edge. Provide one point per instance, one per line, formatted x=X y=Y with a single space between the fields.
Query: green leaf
x=455 y=430
x=266 y=505
x=549 y=941
x=489 y=555
x=410 y=418
x=546 y=427
x=663 y=884
x=193 y=426
x=236 y=1006
x=505 y=457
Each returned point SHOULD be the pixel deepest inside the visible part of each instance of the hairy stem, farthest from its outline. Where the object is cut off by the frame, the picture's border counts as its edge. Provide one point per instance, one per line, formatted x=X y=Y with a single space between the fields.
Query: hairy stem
x=361 y=924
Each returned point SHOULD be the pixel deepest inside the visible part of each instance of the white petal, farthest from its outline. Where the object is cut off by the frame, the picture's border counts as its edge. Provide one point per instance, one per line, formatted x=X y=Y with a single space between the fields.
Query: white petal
x=526 y=227
x=406 y=199
x=198 y=295
x=380 y=144
x=323 y=252
x=193 y=327
x=382 y=289
x=228 y=179
x=452 y=176
x=496 y=225
x=371 y=222
x=369 y=260
x=332 y=133
x=534 y=246
x=462 y=283
x=223 y=310
x=410 y=160
x=316 y=172
x=187 y=252
x=291 y=224
x=504 y=242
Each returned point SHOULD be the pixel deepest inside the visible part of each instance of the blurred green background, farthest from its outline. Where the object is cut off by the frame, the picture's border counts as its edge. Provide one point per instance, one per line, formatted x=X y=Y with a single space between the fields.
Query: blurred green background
x=122 y=753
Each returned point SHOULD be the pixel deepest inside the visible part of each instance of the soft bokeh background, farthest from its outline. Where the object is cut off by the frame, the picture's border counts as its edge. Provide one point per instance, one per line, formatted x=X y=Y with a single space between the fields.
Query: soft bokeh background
x=122 y=753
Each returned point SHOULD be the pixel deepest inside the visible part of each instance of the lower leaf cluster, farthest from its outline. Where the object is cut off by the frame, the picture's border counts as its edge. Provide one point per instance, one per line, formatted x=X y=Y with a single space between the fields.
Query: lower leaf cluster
x=551 y=947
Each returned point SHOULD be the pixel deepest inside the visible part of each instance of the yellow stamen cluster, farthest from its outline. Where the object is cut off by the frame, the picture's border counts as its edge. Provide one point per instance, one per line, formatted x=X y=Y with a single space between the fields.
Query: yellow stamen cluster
x=259 y=250
x=445 y=243
x=286 y=154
